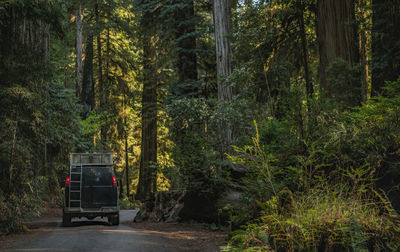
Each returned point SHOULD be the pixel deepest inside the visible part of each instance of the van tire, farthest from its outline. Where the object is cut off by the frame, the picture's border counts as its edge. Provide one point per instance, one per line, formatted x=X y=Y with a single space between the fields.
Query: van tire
x=66 y=220
x=114 y=219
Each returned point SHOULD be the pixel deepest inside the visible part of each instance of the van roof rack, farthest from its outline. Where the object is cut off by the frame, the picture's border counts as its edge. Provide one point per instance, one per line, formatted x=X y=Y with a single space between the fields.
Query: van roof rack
x=81 y=159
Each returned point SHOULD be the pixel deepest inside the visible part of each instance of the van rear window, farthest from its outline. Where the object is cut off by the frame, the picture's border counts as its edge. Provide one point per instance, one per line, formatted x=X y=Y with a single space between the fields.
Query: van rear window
x=97 y=176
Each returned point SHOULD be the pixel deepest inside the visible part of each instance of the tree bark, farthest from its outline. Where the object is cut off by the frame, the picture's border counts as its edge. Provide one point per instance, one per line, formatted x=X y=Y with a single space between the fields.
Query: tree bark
x=126 y=145
x=337 y=38
x=148 y=158
x=87 y=95
x=385 y=43
x=223 y=49
x=364 y=44
x=126 y=165
x=309 y=86
x=79 y=69
x=224 y=66
x=27 y=30
x=99 y=59
x=105 y=89
x=186 y=43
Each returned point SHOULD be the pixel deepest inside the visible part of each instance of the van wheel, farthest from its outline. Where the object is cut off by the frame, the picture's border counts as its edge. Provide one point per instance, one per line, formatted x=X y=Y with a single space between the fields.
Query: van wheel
x=114 y=219
x=66 y=221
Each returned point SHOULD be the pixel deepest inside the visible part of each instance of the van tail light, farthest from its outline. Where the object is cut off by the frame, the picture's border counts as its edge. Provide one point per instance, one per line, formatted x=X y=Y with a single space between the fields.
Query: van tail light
x=67 y=182
x=114 y=181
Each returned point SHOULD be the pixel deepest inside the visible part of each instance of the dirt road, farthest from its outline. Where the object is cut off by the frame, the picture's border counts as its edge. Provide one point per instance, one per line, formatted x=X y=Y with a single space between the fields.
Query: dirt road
x=98 y=235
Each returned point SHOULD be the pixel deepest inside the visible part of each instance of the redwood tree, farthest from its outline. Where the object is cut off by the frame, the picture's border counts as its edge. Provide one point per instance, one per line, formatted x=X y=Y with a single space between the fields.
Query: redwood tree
x=87 y=95
x=148 y=158
x=222 y=24
x=186 y=49
x=79 y=68
x=337 y=37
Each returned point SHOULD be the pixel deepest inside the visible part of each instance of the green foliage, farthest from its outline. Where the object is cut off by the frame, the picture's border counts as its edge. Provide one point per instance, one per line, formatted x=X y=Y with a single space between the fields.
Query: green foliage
x=125 y=203
x=261 y=163
x=17 y=207
x=323 y=219
x=238 y=113
x=341 y=76
x=195 y=128
x=199 y=169
x=334 y=178
x=93 y=123
x=266 y=40
x=39 y=117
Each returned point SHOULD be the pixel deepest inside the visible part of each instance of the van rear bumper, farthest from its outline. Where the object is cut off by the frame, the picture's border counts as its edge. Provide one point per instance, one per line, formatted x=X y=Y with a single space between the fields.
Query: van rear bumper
x=103 y=211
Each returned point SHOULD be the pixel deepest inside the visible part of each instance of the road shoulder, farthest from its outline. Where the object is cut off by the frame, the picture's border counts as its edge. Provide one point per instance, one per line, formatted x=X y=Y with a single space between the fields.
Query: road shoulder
x=184 y=237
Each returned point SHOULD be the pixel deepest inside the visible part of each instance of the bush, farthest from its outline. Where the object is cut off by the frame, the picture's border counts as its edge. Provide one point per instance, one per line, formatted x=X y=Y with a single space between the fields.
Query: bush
x=322 y=193
x=322 y=219
x=17 y=207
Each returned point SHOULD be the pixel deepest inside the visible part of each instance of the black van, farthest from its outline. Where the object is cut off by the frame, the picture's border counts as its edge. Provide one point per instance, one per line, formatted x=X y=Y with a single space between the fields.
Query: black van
x=91 y=189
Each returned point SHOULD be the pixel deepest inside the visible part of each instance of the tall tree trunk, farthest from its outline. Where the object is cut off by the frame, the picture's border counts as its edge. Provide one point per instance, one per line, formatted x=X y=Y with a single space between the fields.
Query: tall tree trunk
x=79 y=69
x=364 y=44
x=105 y=89
x=99 y=59
x=101 y=88
x=337 y=38
x=186 y=43
x=127 y=164
x=126 y=146
x=223 y=49
x=224 y=67
x=148 y=158
x=309 y=86
x=186 y=63
x=26 y=30
x=11 y=166
x=385 y=43
x=87 y=95
x=107 y=74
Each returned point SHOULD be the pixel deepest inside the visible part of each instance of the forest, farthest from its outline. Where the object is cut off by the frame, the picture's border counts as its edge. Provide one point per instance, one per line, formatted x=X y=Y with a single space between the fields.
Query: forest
x=279 y=119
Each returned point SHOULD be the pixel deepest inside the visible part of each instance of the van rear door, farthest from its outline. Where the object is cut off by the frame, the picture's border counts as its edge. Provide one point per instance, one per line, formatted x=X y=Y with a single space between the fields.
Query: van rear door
x=97 y=187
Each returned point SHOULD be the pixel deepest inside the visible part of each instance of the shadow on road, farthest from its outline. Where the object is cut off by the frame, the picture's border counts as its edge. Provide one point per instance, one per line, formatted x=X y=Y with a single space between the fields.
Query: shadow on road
x=85 y=222
x=126 y=216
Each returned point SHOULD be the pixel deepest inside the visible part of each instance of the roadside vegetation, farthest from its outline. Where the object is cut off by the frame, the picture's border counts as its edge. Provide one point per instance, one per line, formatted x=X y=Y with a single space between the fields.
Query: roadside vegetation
x=325 y=197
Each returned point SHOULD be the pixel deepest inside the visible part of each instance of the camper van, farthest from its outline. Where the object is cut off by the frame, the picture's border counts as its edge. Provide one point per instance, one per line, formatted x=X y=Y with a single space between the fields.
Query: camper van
x=91 y=189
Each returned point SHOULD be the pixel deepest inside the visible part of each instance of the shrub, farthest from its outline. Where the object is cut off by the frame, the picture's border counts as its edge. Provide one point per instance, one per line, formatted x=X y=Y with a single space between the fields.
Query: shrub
x=325 y=218
x=323 y=195
x=16 y=207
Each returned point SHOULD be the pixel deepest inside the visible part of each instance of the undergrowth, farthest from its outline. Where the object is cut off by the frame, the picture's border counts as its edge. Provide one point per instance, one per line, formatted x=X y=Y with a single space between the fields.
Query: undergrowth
x=328 y=184
x=322 y=219
x=16 y=207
